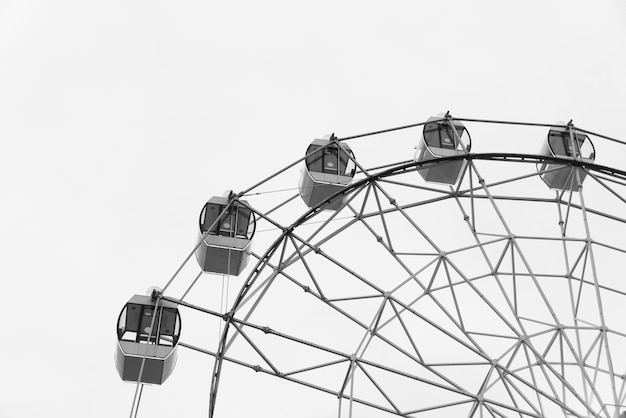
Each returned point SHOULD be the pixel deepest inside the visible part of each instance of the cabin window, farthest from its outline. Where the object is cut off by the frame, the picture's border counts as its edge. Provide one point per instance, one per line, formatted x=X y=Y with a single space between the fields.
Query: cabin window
x=561 y=144
x=314 y=161
x=441 y=135
x=347 y=165
x=136 y=324
x=227 y=223
x=170 y=327
x=146 y=333
x=242 y=221
x=129 y=322
x=234 y=222
x=330 y=160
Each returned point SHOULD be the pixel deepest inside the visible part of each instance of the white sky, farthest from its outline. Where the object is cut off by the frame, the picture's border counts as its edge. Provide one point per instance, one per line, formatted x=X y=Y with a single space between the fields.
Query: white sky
x=118 y=119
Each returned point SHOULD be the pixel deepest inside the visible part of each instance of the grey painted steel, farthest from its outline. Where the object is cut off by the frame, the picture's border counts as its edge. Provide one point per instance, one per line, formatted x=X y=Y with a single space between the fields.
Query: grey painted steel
x=159 y=364
x=515 y=383
x=557 y=363
x=223 y=255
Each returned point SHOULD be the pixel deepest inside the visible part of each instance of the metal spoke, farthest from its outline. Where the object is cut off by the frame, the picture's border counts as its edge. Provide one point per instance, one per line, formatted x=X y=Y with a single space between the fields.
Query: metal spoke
x=495 y=295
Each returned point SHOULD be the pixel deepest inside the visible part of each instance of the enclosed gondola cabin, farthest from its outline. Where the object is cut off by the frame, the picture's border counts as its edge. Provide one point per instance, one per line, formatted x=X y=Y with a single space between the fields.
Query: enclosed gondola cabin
x=225 y=236
x=442 y=138
x=328 y=168
x=565 y=142
x=147 y=335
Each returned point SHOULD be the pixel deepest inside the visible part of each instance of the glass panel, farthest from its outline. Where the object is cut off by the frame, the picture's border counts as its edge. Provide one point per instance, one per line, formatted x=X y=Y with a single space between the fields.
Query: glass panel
x=234 y=222
x=331 y=160
x=559 y=143
x=210 y=215
x=145 y=329
x=460 y=130
x=168 y=326
x=314 y=162
x=132 y=317
x=227 y=223
x=441 y=135
x=431 y=134
x=168 y=322
x=243 y=221
x=350 y=166
x=446 y=136
x=344 y=160
x=176 y=333
x=586 y=147
x=121 y=323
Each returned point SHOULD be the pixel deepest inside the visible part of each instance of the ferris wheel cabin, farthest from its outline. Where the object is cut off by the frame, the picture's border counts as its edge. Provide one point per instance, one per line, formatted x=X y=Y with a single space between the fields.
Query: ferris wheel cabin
x=442 y=138
x=328 y=167
x=565 y=142
x=148 y=335
x=225 y=236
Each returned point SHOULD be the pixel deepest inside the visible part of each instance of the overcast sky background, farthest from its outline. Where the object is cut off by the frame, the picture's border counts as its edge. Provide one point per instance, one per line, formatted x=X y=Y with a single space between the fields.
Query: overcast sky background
x=118 y=120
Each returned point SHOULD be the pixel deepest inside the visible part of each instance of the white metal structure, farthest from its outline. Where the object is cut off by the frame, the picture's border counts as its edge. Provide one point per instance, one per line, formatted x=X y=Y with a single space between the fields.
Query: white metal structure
x=494 y=297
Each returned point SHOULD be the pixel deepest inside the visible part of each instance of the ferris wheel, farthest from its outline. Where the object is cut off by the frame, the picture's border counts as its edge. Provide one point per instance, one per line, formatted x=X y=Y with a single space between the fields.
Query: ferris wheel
x=448 y=283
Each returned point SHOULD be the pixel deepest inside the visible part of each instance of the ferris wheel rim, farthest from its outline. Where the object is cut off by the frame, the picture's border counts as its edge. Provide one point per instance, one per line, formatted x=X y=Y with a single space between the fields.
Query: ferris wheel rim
x=392 y=170
x=415 y=165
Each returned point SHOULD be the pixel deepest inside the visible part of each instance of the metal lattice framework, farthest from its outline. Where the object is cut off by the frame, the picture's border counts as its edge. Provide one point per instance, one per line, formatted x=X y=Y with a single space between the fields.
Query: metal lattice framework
x=497 y=297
